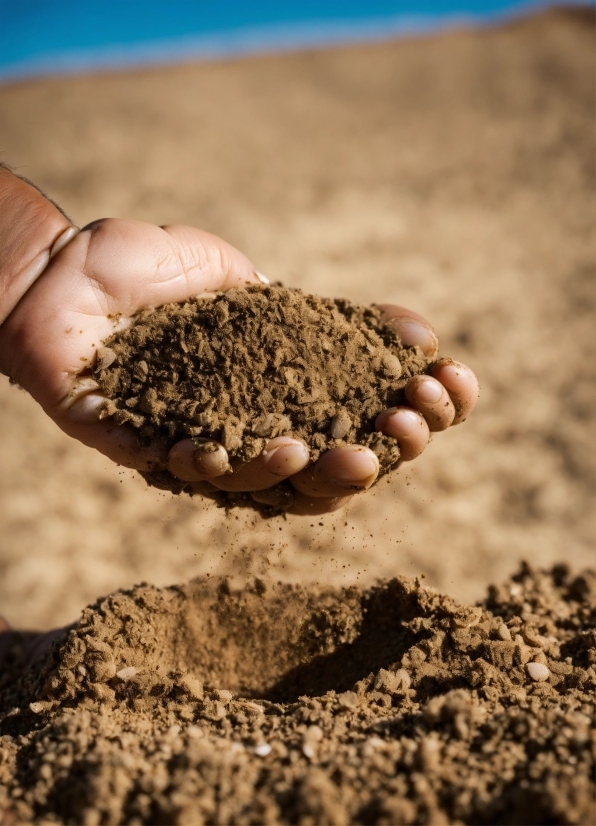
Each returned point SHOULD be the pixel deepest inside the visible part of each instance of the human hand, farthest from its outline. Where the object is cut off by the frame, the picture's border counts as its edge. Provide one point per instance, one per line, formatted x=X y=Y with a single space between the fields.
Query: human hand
x=114 y=268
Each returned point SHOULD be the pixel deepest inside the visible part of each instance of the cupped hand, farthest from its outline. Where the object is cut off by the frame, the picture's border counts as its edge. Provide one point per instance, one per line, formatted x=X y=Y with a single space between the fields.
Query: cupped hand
x=114 y=268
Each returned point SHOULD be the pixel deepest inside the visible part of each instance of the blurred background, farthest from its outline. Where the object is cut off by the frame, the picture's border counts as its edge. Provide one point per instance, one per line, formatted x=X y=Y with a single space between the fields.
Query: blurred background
x=67 y=36
x=439 y=155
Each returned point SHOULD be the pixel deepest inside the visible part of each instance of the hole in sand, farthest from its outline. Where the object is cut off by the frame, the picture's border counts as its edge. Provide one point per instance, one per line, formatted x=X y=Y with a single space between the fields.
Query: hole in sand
x=280 y=642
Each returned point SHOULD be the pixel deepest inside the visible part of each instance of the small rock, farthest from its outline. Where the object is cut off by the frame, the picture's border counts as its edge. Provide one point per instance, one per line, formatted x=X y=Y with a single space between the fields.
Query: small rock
x=193 y=686
x=538 y=672
x=40 y=707
x=504 y=633
x=313 y=734
x=391 y=366
x=392 y=682
x=127 y=673
x=101 y=672
x=348 y=699
x=105 y=357
x=340 y=425
x=404 y=677
x=263 y=749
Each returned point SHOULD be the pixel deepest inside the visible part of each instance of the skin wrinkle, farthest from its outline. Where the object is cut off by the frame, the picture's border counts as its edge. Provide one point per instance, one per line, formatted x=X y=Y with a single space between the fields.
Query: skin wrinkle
x=204 y=260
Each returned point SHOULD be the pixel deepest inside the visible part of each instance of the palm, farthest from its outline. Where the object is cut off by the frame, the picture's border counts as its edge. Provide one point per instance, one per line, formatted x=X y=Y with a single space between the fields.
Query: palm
x=113 y=269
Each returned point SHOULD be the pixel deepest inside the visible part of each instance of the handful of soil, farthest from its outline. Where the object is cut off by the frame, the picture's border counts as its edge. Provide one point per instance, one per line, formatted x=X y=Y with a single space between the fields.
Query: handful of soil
x=250 y=364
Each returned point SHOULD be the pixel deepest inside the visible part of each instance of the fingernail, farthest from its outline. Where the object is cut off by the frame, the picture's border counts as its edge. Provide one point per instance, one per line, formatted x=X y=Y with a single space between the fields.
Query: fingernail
x=412 y=333
x=428 y=391
x=262 y=278
x=86 y=409
x=63 y=240
x=287 y=459
x=362 y=467
x=398 y=423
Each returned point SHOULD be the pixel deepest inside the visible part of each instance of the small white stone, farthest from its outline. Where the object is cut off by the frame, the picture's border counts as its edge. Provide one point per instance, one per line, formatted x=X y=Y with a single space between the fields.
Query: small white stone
x=504 y=633
x=314 y=734
x=127 y=673
x=538 y=672
x=262 y=750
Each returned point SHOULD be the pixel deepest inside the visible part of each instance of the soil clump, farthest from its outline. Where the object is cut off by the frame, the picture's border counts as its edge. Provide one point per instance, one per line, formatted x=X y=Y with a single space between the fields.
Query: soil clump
x=281 y=704
x=251 y=364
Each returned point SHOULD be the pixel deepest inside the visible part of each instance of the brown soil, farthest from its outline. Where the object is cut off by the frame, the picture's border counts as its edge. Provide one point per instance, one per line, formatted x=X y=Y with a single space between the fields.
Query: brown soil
x=452 y=174
x=249 y=365
x=282 y=704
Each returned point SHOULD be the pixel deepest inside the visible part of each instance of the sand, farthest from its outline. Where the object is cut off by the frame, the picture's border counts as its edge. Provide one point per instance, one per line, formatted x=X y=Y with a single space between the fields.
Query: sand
x=451 y=174
x=284 y=704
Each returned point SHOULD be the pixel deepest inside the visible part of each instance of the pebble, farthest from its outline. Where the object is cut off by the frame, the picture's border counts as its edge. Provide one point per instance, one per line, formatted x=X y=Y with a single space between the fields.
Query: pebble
x=391 y=366
x=504 y=633
x=127 y=673
x=340 y=425
x=538 y=672
x=348 y=699
x=262 y=750
x=392 y=682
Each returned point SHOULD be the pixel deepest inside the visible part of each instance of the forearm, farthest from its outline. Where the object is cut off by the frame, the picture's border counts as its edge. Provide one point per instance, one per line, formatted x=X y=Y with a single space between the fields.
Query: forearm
x=32 y=230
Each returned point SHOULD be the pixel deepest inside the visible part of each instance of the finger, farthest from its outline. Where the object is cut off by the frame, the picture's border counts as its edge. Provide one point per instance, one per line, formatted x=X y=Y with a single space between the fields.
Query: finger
x=461 y=384
x=339 y=472
x=429 y=397
x=316 y=505
x=281 y=458
x=412 y=328
x=163 y=264
x=196 y=461
x=120 y=443
x=406 y=425
x=79 y=417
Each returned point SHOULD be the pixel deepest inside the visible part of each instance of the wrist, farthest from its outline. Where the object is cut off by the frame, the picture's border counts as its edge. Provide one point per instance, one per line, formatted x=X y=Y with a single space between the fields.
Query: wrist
x=32 y=231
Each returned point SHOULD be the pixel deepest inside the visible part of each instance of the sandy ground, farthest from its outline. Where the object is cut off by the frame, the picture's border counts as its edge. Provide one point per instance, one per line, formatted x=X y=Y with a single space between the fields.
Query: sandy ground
x=452 y=174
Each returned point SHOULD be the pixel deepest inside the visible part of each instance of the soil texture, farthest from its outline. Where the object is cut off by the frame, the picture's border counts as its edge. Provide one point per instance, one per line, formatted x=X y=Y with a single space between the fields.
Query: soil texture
x=280 y=704
x=251 y=364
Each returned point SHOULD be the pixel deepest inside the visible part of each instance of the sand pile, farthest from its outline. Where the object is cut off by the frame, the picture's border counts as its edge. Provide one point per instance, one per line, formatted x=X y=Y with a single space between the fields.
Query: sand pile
x=249 y=365
x=277 y=704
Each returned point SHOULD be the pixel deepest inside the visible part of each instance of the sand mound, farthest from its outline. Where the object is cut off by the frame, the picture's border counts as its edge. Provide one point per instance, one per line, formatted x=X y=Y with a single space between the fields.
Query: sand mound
x=278 y=704
x=252 y=364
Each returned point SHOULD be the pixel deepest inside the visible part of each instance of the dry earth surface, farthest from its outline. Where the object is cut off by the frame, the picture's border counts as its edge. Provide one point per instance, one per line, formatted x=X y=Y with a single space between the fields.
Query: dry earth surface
x=452 y=174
